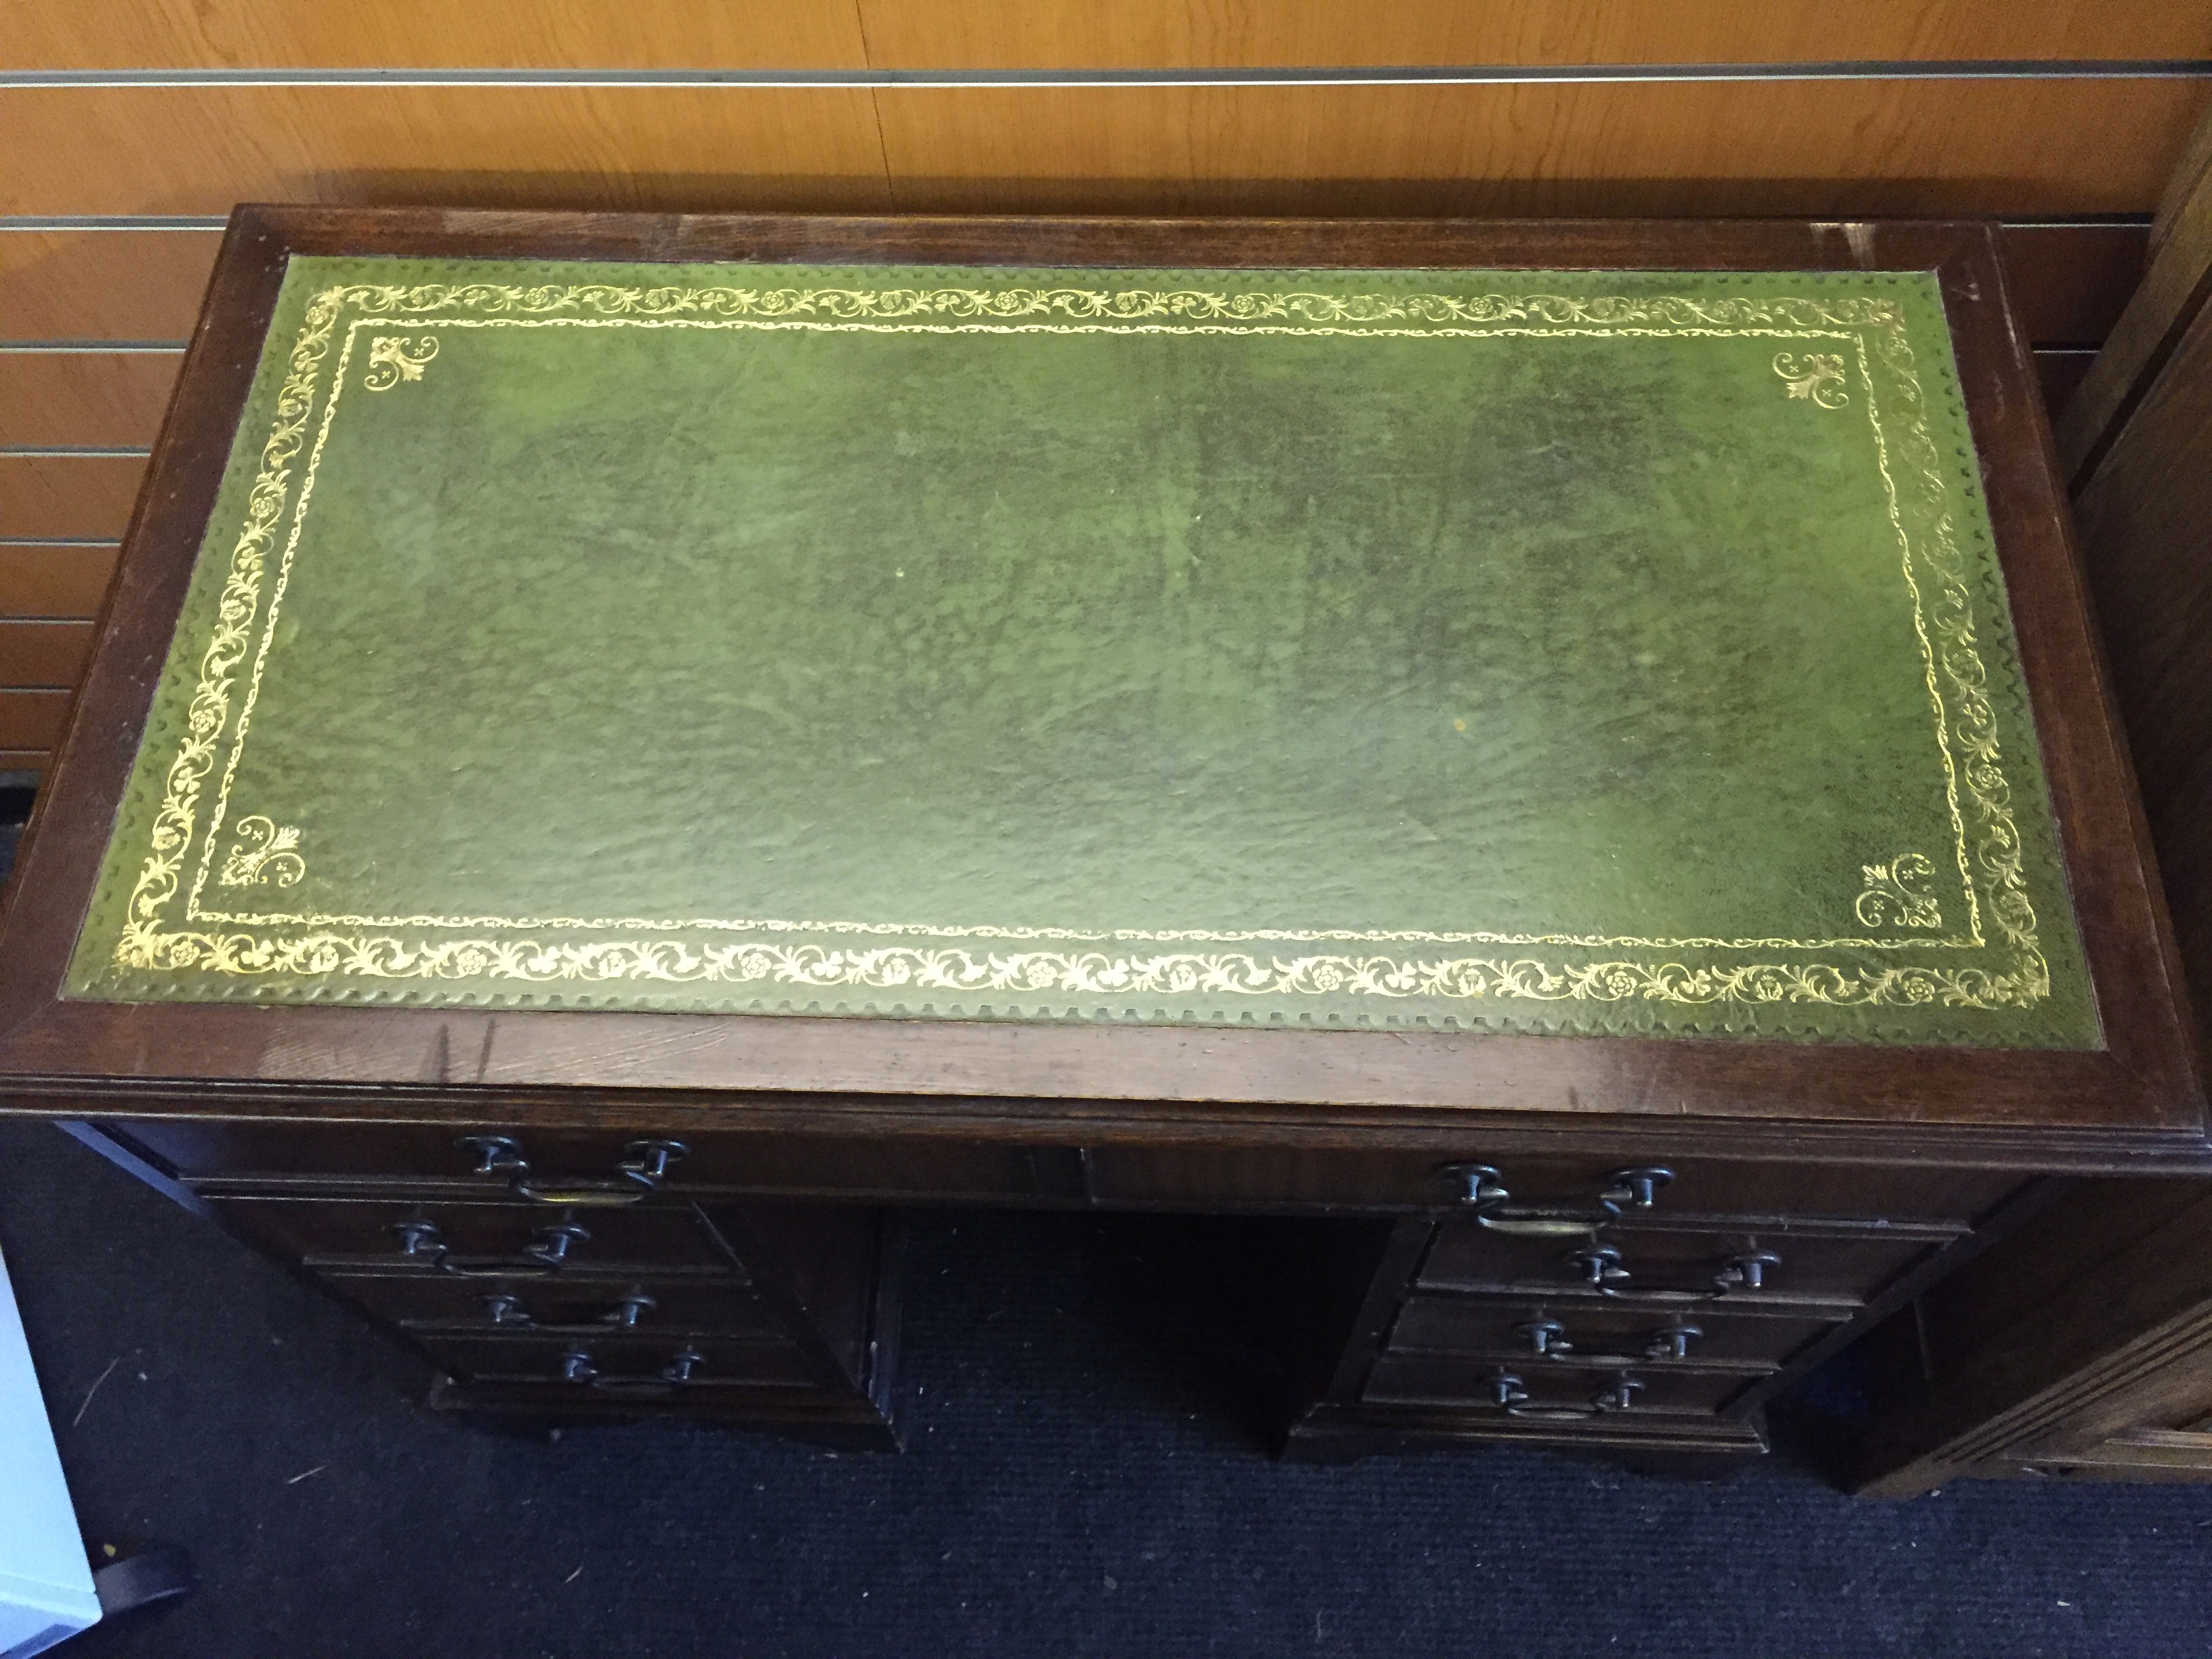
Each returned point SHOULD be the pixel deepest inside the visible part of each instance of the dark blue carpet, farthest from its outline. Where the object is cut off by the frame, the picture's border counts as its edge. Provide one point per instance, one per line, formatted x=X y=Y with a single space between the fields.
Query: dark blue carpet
x=1083 y=1479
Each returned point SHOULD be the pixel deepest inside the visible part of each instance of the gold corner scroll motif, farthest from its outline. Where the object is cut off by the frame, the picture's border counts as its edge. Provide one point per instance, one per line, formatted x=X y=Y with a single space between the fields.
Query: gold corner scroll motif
x=1817 y=377
x=1990 y=859
x=393 y=358
x=1896 y=894
x=266 y=852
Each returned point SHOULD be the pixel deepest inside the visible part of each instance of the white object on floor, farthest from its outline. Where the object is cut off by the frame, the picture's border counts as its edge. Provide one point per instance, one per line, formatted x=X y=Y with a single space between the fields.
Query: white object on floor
x=45 y=1582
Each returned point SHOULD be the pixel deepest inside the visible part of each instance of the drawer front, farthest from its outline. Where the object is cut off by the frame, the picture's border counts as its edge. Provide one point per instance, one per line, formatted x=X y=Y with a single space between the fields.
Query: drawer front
x=483 y=1241
x=1280 y=1178
x=1545 y=1391
x=1674 y=1264
x=715 y=1163
x=648 y=1366
x=600 y=1304
x=1197 y=1176
x=1509 y=1329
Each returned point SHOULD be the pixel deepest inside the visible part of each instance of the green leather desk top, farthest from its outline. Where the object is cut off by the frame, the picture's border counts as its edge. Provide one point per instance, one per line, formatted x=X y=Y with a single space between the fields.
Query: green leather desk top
x=1539 y=652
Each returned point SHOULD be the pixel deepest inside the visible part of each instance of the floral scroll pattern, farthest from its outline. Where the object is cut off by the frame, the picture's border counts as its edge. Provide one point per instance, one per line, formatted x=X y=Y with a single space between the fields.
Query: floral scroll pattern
x=266 y=852
x=1896 y=895
x=1816 y=376
x=393 y=358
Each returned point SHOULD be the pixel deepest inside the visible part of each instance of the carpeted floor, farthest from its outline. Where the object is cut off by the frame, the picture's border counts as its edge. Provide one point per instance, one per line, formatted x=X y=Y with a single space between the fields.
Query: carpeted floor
x=1086 y=1475
x=1083 y=1478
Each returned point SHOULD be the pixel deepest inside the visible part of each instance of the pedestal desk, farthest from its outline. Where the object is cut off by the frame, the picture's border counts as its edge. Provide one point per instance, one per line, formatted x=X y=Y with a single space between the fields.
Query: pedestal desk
x=625 y=748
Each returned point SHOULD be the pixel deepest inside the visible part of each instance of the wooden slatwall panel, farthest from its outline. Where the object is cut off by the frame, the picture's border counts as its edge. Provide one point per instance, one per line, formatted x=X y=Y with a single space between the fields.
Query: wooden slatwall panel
x=994 y=33
x=1078 y=33
x=1843 y=148
x=2028 y=150
x=432 y=33
x=1840 y=147
x=103 y=284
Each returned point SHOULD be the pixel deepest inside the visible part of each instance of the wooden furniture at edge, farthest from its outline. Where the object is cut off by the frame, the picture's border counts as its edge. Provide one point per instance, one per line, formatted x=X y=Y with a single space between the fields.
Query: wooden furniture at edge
x=2083 y=1345
x=718 y=1186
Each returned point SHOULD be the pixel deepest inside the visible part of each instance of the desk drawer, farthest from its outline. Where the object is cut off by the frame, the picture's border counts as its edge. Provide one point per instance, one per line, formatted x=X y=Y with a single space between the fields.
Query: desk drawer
x=711 y=1163
x=1676 y=1264
x=648 y=1366
x=1508 y=1329
x=481 y=1242
x=1286 y=1178
x=1541 y=1391
x=425 y=1300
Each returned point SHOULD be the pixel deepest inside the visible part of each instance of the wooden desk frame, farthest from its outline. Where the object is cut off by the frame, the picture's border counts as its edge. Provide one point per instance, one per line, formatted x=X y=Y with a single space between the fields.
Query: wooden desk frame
x=2138 y=1100
x=1853 y=1146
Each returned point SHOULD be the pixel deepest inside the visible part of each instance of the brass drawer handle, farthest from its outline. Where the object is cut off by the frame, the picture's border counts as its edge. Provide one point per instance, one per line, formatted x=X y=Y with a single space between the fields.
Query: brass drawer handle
x=1601 y=1268
x=548 y=1252
x=1481 y=1190
x=505 y=1308
x=644 y=1166
x=578 y=1366
x=1511 y=1395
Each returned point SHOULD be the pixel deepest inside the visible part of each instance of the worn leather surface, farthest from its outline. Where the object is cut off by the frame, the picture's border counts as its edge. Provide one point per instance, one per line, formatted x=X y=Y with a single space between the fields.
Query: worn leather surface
x=1544 y=652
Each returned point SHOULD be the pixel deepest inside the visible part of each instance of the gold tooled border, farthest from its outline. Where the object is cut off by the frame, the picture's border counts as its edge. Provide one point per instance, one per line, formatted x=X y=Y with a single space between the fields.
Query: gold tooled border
x=1944 y=617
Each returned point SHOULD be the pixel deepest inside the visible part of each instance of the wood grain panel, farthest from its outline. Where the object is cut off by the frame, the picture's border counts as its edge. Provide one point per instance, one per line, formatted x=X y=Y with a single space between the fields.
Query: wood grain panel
x=103 y=284
x=1839 y=148
x=54 y=580
x=200 y=150
x=980 y=33
x=2069 y=283
x=34 y=761
x=32 y=719
x=2060 y=373
x=43 y=653
x=2146 y=526
x=54 y=498
x=107 y=397
x=2176 y=285
x=515 y=34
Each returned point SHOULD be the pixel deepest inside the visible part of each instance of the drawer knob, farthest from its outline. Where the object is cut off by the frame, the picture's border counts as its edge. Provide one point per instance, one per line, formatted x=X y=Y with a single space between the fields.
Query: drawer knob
x=1544 y=1335
x=1673 y=1341
x=494 y=1154
x=627 y=1311
x=1747 y=1271
x=1507 y=1389
x=551 y=1246
x=1634 y=1189
x=1619 y=1396
x=647 y=1161
x=1600 y=1266
x=1480 y=1186
x=505 y=1309
x=576 y=1366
